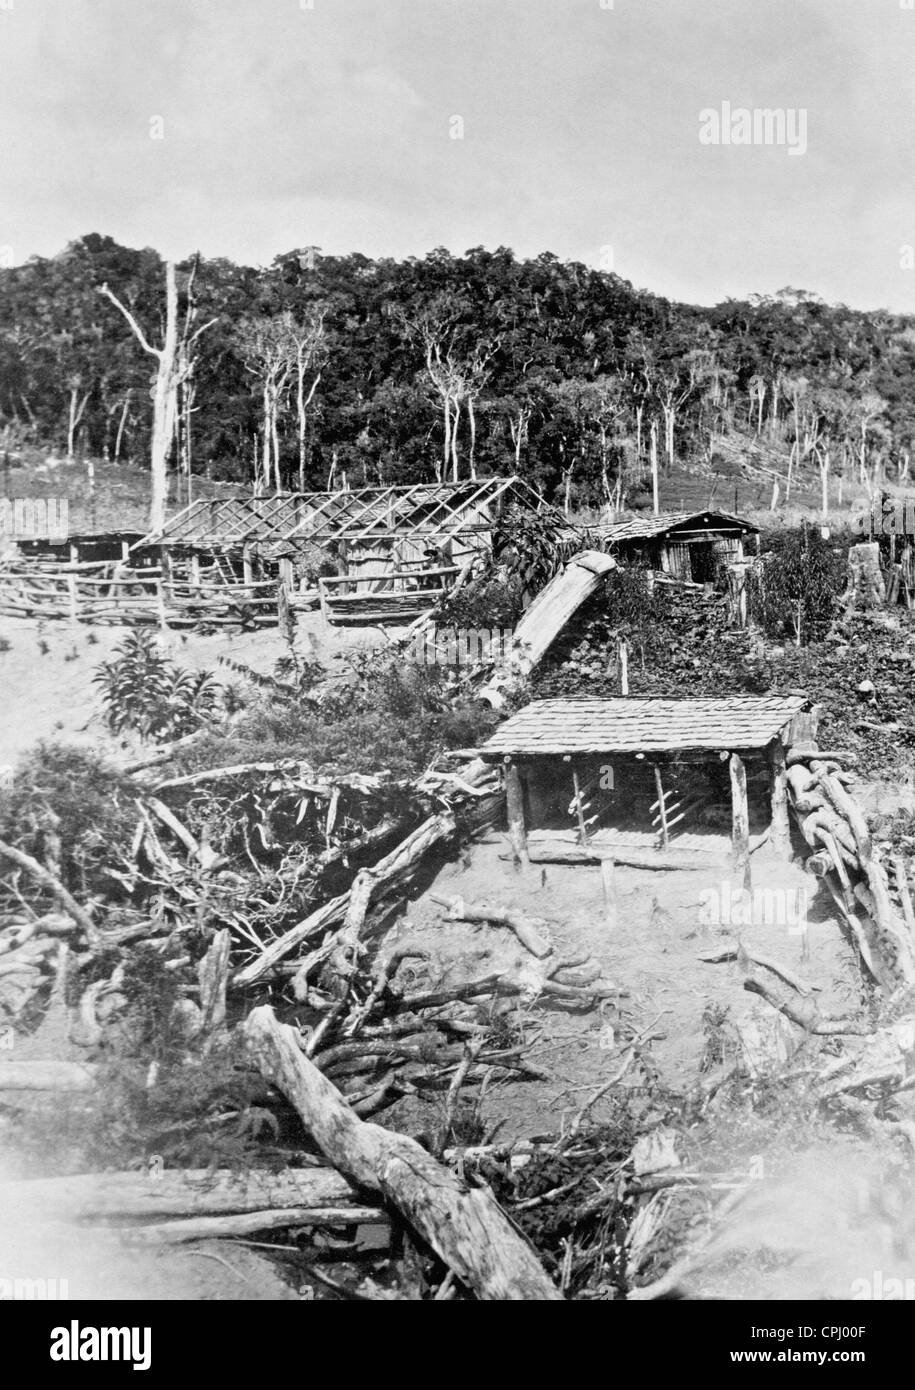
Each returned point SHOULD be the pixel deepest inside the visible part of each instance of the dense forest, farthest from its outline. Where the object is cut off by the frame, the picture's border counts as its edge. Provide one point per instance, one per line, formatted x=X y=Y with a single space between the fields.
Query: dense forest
x=325 y=369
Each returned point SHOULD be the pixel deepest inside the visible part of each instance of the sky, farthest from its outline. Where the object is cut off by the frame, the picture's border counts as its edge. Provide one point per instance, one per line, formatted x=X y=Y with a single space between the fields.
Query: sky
x=246 y=128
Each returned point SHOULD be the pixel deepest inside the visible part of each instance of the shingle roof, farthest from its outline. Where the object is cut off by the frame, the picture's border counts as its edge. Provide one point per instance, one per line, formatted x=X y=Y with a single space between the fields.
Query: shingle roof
x=645 y=527
x=643 y=724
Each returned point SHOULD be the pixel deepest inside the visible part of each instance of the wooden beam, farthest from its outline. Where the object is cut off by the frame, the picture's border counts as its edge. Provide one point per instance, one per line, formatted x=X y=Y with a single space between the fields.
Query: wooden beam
x=781 y=828
x=740 y=821
x=514 y=803
x=662 y=812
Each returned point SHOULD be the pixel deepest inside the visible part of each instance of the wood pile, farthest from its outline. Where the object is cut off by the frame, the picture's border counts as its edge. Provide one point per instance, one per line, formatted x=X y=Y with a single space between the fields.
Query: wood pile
x=846 y=858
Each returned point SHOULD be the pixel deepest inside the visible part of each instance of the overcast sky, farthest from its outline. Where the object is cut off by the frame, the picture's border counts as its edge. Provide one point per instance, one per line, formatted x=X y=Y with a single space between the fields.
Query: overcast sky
x=284 y=126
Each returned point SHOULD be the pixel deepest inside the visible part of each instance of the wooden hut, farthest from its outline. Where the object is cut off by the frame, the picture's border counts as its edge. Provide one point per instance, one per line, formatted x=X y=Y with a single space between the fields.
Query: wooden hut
x=685 y=547
x=369 y=555
x=647 y=780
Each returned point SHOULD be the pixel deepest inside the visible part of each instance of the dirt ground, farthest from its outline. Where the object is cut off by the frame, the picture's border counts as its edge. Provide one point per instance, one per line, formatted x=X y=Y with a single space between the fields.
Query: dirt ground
x=664 y=992
x=664 y=921
x=46 y=687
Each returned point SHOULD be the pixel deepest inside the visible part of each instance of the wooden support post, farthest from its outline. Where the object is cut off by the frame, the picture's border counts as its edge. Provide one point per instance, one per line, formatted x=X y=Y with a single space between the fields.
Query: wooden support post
x=580 y=810
x=740 y=821
x=514 y=803
x=781 y=828
x=71 y=590
x=195 y=570
x=624 y=667
x=662 y=812
x=608 y=884
x=125 y=551
x=247 y=567
x=287 y=575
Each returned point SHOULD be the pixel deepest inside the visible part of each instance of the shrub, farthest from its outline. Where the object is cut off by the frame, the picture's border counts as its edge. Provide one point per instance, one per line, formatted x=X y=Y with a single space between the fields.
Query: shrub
x=70 y=809
x=144 y=692
x=796 y=587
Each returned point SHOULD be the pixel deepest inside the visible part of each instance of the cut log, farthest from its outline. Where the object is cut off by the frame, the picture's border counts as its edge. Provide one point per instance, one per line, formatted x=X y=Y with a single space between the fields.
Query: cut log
x=465 y=1226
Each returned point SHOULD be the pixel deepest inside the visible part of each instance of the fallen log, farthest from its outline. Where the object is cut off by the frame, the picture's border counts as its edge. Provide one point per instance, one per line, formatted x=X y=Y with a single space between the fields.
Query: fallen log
x=465 y=1226
x=806 y=1014
x=732 y=951
x=530 y=938
x=47 y=1076
x=631 y=858
x=249 y=1224
x=195 y=1192
x=400 y=860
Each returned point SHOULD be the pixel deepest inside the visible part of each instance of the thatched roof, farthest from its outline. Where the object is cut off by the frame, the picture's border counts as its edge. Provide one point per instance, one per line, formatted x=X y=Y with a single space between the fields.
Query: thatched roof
x=643 y=724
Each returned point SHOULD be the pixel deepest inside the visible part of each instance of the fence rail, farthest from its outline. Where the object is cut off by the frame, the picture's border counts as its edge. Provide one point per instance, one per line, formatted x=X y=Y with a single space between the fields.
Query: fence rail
x=112 y=594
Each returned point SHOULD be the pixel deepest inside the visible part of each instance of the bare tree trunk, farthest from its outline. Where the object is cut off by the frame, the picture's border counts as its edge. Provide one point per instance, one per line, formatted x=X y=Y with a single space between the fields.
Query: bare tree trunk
x=473 y=438
x=77 y=409
x=165 y=393
x=455 y=469
x=654 y=467
x=120 y=433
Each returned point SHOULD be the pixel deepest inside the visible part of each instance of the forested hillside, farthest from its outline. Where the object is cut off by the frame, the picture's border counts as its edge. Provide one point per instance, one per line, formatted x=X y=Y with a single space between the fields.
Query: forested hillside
x=321 y=368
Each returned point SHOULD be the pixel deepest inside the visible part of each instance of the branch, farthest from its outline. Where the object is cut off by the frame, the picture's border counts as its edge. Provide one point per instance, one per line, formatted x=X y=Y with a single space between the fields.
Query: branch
x=140 y=335
x=54 y=885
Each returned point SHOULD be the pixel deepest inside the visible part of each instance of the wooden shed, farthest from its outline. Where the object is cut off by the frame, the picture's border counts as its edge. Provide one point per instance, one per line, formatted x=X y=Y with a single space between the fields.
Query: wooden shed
x=686 y=547
x=382 y=554
x=641 y=779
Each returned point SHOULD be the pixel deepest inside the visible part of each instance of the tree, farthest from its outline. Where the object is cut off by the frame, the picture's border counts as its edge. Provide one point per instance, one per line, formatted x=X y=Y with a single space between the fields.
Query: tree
x=165 y=392
x=269 y=353
x=309 y=342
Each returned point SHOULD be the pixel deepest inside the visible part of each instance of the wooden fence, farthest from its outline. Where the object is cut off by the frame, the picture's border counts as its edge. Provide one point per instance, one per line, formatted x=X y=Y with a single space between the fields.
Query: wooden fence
x=111 y=592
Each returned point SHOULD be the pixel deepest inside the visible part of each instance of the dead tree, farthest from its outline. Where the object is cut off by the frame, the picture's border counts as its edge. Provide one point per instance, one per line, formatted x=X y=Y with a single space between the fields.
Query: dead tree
x=165 y=392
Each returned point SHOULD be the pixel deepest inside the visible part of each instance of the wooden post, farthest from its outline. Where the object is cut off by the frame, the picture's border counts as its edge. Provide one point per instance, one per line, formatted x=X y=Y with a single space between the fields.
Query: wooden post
x=781 y=827
x=580 y=810
x=195 y=570
x=740 y=821
x=624 y=667
x=287 y=575
x=662 y=810
x=608 y=884
x=514 y=804
x=71 y=589
x=247 y=568
x=125 y=551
